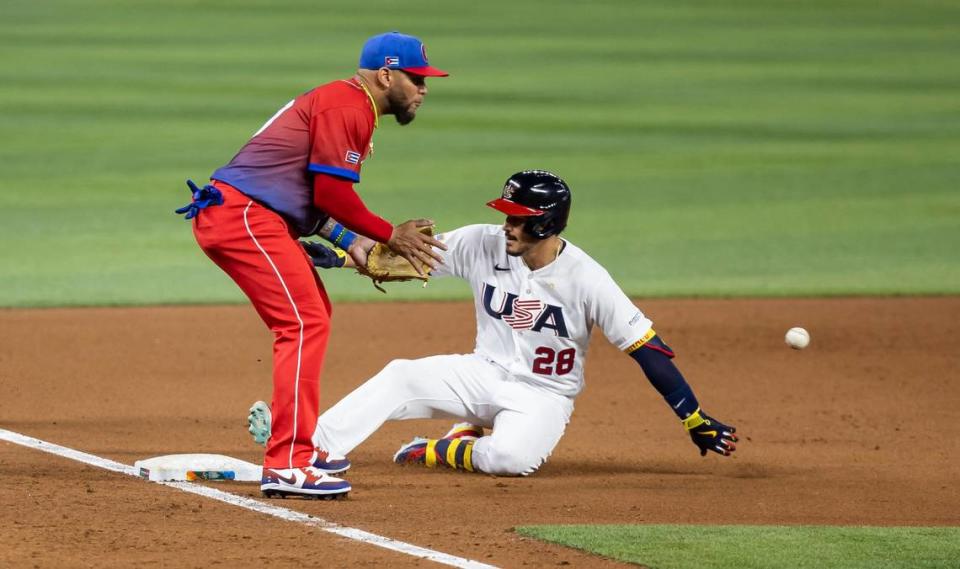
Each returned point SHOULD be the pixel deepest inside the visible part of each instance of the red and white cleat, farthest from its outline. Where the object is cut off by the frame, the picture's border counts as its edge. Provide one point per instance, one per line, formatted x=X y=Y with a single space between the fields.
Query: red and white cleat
x=306 y=482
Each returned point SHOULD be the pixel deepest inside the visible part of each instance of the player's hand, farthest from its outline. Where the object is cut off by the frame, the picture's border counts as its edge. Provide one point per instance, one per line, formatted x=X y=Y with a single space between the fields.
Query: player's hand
x=710 y=434
x=324 y=257
x=359 y=250
x=415 y=246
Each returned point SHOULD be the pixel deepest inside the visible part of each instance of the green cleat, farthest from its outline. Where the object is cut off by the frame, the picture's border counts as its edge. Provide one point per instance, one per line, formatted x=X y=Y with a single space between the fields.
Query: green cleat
x=259 y=422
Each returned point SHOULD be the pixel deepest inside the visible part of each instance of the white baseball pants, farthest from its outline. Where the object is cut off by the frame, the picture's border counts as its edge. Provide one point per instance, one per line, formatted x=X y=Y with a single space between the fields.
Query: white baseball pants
x=527 y=421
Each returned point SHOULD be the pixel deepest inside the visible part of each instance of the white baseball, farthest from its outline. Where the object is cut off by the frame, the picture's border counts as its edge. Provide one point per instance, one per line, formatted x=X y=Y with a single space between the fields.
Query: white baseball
x=797 y=338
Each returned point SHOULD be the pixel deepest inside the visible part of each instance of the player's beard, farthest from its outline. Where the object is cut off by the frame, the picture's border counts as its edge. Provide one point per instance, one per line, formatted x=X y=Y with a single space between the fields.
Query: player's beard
x=400 y=107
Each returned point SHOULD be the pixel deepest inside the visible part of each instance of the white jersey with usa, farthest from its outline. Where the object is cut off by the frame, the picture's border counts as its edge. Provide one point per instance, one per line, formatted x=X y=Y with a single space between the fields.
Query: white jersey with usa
x=537 y=324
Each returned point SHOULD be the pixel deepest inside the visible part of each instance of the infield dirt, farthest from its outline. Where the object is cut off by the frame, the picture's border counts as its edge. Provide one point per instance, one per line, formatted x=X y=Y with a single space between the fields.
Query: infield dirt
x=854 y=430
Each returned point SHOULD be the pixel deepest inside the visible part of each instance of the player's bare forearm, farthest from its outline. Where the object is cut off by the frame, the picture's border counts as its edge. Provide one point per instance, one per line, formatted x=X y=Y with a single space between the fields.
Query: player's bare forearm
x=356 y=246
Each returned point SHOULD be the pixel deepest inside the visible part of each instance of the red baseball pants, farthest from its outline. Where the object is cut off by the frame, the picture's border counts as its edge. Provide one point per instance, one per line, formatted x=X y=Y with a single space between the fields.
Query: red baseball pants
x=256 y=248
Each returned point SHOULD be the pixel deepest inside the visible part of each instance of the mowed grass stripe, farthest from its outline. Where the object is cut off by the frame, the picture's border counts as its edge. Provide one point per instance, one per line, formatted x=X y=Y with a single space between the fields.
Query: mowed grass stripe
x=762 y=547
x=758 y=148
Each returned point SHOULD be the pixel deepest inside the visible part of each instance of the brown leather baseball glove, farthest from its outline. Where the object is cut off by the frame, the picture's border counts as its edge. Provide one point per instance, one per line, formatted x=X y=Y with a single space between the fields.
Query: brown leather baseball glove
x=384 y=265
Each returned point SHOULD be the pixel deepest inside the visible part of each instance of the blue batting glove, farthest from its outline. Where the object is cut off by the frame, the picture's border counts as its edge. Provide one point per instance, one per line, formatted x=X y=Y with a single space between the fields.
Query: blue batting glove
x=202 y=198
x=710 y=434
x=323 y=256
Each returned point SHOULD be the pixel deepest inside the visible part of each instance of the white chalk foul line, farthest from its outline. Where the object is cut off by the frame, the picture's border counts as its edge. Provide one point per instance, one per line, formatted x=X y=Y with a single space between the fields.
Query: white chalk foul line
x=249 y=504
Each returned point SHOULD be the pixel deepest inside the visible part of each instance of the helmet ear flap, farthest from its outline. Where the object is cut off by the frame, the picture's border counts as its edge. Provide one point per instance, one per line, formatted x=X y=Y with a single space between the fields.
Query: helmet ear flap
x=540 y=226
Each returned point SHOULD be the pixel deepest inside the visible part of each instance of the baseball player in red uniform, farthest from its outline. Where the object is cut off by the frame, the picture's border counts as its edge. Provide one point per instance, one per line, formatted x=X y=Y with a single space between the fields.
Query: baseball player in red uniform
x=537 y=298
x=295 y=178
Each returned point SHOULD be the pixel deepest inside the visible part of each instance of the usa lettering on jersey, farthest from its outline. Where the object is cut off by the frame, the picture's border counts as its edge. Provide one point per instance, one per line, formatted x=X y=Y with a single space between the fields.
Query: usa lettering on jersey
x=540 y=337
x=528 y=314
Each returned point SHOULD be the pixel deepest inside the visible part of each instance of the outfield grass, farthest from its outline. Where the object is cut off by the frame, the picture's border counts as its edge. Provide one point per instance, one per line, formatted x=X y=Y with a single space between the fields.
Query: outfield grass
x=745 y=148
x=762 y=547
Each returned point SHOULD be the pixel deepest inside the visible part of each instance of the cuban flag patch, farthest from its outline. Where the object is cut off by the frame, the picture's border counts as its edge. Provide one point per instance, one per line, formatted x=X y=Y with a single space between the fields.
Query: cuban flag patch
x=352 y=157
x=391 y=60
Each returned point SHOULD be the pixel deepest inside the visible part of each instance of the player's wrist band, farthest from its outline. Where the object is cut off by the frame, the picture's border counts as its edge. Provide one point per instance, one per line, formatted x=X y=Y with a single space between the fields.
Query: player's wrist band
x=694 y=420
x=341 y=236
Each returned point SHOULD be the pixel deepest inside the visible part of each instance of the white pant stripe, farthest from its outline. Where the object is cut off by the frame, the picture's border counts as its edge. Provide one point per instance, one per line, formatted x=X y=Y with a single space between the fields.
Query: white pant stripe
x=296 y=388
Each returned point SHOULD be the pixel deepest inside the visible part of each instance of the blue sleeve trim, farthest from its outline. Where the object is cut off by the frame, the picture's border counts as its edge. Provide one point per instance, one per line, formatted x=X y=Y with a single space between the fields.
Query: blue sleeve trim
x=334 y=171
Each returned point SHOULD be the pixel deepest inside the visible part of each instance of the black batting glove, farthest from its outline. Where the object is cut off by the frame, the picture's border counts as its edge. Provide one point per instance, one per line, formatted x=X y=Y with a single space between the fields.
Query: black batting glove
x=710 y=434
x=324 y=257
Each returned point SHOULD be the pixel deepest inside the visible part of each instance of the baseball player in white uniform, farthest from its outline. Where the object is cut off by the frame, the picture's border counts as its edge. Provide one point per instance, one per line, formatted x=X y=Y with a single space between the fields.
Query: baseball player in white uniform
x=537 y=298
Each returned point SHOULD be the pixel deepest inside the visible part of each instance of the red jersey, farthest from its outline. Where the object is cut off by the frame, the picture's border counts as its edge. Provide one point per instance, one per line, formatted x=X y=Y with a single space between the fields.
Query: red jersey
x=326 y=130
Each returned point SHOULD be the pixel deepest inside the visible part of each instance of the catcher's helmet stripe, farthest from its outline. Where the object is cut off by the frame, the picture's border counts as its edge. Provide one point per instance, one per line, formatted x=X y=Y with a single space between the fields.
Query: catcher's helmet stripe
x=512 y=208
